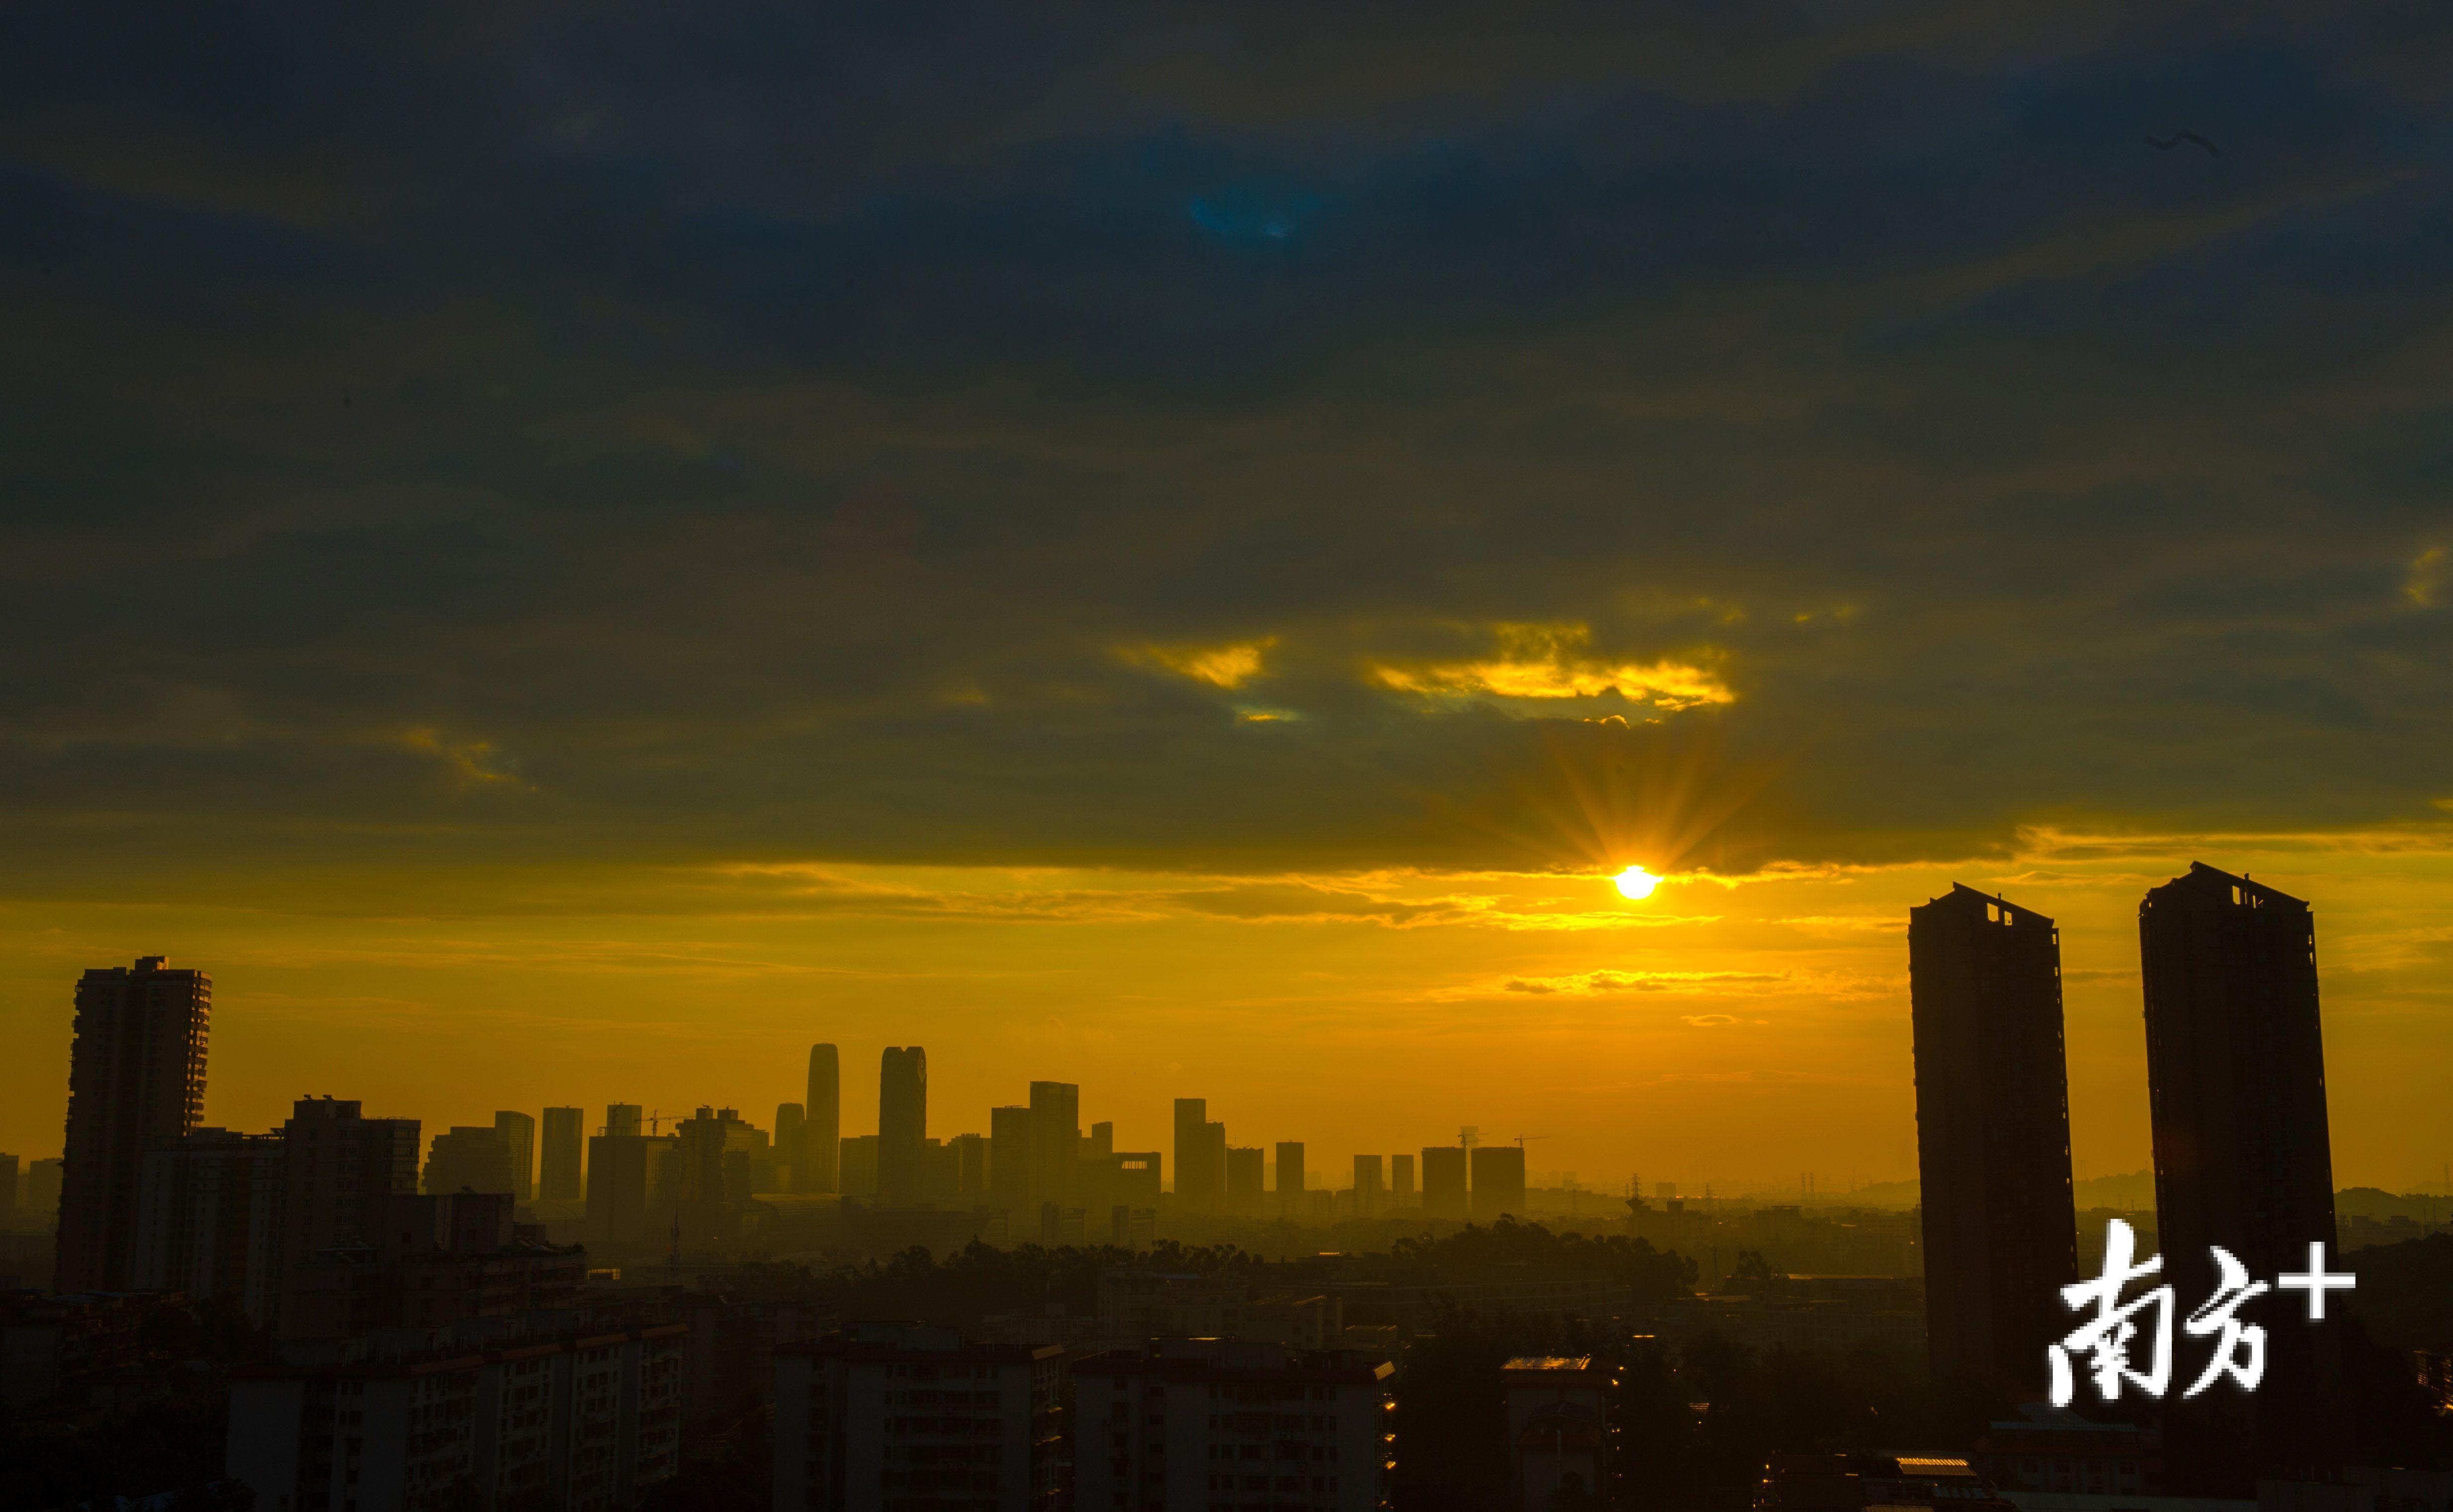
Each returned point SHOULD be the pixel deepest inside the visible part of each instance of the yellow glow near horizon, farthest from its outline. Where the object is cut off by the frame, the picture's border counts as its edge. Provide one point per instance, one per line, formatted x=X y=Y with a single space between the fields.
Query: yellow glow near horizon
x=1636 y=883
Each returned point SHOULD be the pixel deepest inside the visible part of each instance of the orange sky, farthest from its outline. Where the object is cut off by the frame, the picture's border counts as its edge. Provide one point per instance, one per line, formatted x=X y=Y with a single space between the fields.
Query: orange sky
x=1739 y=1030
x=574 y=560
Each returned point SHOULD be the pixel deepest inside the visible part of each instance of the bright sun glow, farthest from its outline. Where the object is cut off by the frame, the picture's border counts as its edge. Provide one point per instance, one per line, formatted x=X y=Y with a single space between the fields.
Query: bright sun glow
x=1636 y=883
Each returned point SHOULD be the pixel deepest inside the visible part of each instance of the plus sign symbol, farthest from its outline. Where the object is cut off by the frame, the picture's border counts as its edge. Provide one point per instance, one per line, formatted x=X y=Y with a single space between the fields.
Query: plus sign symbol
x=2316 y=1280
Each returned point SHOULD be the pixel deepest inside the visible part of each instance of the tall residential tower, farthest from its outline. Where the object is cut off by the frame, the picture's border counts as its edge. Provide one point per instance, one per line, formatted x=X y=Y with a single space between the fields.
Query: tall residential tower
x=901 y=1125
x=136 y=1083
x=1992 y=1091
x=2236 y=1089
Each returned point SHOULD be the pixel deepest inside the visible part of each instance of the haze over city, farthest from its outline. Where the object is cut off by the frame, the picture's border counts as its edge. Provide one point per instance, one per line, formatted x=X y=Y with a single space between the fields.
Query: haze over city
x=1734 y=1029
x=1511 y=719
x=1112 y=580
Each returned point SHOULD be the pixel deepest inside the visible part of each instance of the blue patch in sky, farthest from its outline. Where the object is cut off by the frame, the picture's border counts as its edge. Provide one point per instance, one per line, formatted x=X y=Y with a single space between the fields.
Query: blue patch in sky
x=1248 y=216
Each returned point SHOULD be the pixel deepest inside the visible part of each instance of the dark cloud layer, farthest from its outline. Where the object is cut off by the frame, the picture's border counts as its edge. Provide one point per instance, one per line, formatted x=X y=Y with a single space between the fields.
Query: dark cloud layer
x=537 y=430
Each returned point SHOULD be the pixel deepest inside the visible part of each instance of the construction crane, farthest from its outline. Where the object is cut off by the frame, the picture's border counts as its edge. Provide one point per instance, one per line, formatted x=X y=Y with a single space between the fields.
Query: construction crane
x=1522 y=1137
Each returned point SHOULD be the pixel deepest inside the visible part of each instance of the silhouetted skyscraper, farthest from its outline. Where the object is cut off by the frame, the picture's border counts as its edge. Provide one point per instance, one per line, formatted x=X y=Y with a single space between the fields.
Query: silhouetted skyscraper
x=339 y=1171
x=136 y=1083
x=1369 y=1191
x=901 y=1125
x=970 y=1167
x=1010 y=1147
x=471 y=1157
x=1400 y=1180
x=822 y=1121
x=624 y=1119
x=559 y=1177
x=519 y=1142
x=2243 y=1158
x=1443 y=1181
x=1055 y=1139
x=207 y=1221
x=1290 y=1178
x=1199 y=1179
x=619 y=1166
x=2000 y=1236
x=2236 y=1071
x=1498 y=1182
x=791 y=1140
x=1247 y=1181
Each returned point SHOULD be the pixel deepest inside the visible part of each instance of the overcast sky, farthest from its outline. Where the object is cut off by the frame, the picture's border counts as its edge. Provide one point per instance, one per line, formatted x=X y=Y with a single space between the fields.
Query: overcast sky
x=481 y=464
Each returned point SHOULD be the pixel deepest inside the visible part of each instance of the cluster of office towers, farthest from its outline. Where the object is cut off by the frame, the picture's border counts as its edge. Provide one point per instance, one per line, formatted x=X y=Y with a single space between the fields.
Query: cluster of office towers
x=1035 y=1158
x=1460 y=1181
x=1036 y=1161
x=2236 y=1098
x=150 y=1199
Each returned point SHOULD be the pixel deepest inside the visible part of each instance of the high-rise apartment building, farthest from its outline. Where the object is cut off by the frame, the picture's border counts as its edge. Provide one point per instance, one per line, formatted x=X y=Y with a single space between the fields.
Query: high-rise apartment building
x=822 y=1121
x=901 y=1125
x=585 y=1419
x=208 y=1220
x=560 y=1175
x=1055 y=1139
x=2244 y=1157
x=1558 y=1430
x=1200 y=1180
x=1498 y=1182
x=2000 y=1235
x=1400 y=1180
x=971 y=1168
x=7 y=1186
x=433 y=1260
x=1135 y=1182
x=136 y=1083
x=1212 y=1422
x=1247 y=1181
x=1369 y=1191
x=886 y=1415
x=622 y=1170
x=1290 y=1178
x=518 y=1131
x=2236 y=1073
x=470 y=1157
x=710 y=1178
x=1010 y=1147
x=1443 y=1181
x=339 y=1171
x=625 y=1118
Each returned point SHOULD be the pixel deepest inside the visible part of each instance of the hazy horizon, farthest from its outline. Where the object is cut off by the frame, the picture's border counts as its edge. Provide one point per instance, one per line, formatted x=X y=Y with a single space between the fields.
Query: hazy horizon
x=564 y=562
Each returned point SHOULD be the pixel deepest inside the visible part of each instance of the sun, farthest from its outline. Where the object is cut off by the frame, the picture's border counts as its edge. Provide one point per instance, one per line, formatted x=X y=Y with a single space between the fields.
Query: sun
x=1636 y=883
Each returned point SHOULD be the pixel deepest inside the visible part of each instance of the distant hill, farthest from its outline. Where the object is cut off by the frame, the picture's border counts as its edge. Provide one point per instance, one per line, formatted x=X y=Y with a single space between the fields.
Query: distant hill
x=2133 y=1193
x=2370 y=1201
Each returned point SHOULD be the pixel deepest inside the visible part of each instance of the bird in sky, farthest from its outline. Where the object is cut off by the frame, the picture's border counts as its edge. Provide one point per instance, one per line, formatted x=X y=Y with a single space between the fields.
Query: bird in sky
x=2165 y=144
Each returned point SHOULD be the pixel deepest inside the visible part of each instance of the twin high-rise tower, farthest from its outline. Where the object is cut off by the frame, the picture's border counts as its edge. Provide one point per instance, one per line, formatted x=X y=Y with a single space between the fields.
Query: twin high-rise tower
x=2236 y=1091
x=2001 y=1233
